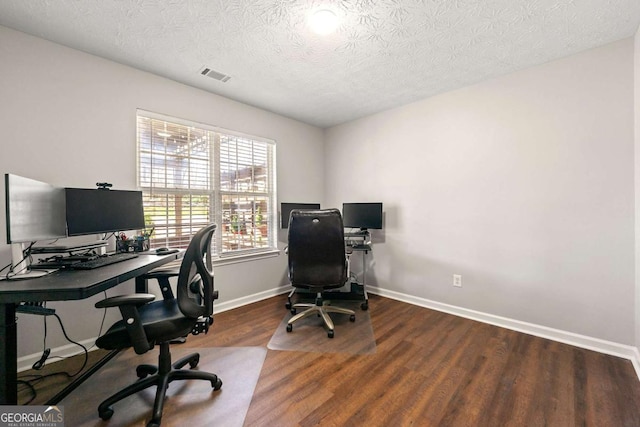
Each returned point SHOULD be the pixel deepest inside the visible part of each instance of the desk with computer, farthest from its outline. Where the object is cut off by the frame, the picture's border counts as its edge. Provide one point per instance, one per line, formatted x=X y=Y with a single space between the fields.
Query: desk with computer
x=38 y=214
x=358 y=219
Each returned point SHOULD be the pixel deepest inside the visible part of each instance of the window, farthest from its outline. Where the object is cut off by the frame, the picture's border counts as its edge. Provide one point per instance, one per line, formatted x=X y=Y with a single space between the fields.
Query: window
x=193 y=174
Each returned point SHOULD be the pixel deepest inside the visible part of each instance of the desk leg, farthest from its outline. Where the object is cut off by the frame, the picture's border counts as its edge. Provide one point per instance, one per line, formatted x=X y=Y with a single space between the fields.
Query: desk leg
x=8 y=355
x=365 y=304
x=142 y=285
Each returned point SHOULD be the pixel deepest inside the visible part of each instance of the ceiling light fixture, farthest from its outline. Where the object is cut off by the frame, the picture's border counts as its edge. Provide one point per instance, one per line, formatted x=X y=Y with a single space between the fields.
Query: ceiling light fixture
x=323 y=22
x=164 y=134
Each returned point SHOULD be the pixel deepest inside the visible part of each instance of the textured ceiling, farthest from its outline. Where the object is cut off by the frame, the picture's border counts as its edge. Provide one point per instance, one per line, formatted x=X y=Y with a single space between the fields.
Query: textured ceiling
x=384 y=54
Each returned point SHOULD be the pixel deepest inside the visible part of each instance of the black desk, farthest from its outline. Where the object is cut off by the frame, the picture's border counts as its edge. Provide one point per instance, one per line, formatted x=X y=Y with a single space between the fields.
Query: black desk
x=62 y=285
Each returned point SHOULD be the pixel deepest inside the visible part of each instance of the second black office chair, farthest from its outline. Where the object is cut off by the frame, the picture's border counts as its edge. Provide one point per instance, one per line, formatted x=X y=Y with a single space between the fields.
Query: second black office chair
x=146 y=323
x=317 y=261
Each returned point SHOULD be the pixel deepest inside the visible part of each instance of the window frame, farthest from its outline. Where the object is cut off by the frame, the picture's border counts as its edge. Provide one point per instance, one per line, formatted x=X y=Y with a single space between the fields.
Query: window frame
x=215 y=192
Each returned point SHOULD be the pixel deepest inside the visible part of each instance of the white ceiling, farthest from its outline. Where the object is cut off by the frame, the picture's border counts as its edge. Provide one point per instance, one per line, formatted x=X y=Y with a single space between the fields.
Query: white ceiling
x=384 y=54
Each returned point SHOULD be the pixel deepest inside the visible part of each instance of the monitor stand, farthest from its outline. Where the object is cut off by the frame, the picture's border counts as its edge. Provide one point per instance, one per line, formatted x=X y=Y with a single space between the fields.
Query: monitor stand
x=59 y=249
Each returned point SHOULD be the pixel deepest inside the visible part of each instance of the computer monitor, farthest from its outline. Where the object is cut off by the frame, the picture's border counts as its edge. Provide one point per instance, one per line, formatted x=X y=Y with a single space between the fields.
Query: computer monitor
x=95 y=211
x=362 y=215
x=35 y=211
x=286 y=208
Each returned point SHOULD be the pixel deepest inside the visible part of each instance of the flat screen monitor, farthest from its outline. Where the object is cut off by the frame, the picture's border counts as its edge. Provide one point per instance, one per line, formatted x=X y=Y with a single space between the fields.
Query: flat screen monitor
x=34 y=210
x=362 y=215
x=286 y=208
x=95 y=211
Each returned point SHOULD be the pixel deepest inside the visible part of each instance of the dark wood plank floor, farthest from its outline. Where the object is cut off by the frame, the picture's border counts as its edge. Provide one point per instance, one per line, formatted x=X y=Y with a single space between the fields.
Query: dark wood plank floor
x=430 y=369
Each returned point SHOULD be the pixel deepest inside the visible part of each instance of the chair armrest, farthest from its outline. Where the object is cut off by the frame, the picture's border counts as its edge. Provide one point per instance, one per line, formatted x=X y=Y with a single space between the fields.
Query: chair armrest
x=128 y=305
x=133 y=299
x=162 y=274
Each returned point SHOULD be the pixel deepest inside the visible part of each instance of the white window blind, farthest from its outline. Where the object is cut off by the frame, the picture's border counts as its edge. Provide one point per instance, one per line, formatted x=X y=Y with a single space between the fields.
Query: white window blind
x=193 y=174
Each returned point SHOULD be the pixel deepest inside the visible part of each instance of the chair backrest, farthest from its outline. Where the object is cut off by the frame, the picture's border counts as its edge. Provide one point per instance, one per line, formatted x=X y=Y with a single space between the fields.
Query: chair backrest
x=316 y=250
x=195 y=281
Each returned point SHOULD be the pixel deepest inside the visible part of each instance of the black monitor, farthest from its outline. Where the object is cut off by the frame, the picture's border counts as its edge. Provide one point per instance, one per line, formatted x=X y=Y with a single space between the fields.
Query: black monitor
x=362 y=215
x=95 y=211
x=34 y=210
x=286 y=208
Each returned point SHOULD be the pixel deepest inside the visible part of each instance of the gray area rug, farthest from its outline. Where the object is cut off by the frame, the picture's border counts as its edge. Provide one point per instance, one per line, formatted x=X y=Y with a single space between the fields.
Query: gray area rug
x=310 y=335
x=192 y=402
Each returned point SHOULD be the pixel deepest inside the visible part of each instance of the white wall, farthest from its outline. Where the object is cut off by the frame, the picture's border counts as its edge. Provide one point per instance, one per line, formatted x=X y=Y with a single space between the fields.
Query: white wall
x=68 y=118
x=522 y=184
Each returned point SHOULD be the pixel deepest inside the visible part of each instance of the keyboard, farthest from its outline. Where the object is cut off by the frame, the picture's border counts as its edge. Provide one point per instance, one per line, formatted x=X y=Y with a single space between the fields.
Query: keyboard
x=102 y=261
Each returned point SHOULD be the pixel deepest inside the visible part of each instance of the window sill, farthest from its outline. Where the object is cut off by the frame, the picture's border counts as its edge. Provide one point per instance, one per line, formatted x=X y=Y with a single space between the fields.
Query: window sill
x=235 y=259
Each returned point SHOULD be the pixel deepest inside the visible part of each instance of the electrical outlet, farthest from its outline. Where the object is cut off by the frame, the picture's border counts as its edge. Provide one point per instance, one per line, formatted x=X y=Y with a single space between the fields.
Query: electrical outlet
x=457 y=280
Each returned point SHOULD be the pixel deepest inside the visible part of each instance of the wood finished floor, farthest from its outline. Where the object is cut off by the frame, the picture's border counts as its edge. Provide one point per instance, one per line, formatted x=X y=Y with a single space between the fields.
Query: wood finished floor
x=430 y=369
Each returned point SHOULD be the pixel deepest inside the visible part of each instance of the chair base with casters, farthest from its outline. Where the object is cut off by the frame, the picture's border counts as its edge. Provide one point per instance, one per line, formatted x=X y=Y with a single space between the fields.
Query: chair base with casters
x=319 y=309
x=160 y=376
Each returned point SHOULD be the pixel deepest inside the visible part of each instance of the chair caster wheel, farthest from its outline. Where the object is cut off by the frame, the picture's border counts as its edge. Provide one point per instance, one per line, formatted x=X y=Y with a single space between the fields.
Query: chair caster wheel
x=194 y=362
x=288 y=306
x=293 y=311
x=289 y=328
x=142 y=371
x=106 y=414
x=153 y=424
x=330 y=334
x=364 y=306
x=352 y=318
x=217 y=385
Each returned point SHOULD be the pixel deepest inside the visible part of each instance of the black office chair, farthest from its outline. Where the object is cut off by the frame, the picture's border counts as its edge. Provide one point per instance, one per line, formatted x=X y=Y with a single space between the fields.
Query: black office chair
x=146 y=323
x=317 y=261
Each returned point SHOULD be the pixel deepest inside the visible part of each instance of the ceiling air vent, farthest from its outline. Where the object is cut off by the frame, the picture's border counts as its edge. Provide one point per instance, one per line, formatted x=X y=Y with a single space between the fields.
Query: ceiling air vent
x=215 y=75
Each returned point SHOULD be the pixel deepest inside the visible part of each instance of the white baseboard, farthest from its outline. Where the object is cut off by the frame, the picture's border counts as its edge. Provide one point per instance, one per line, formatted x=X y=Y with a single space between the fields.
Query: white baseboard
x=636 y=361
x=602 y=346
x=250 y=299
